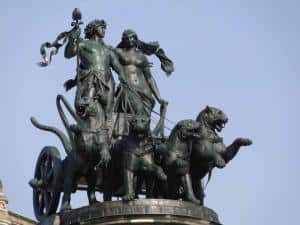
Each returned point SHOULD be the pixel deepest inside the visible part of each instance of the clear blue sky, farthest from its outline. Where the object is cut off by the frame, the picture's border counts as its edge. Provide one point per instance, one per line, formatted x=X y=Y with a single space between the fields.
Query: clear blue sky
x=238 y=55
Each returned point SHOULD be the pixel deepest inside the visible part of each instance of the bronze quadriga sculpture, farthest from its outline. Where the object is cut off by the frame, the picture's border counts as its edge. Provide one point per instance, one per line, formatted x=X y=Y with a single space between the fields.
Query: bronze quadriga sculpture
x=111 y=148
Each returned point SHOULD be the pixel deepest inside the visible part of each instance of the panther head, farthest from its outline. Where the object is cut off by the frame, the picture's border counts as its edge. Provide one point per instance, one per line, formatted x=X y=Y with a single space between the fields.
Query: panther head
x=139 y=126
x=85 y=107
x=213 y=118
x=186 y=129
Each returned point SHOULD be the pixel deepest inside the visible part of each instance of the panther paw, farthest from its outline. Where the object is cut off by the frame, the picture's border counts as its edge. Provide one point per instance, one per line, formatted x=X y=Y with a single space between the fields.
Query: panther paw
x=75 y=128
x=35 y=183
x=105 y=159
x=180 y=163
x=66 y=206
x=243 y=141
x=161 y=176
x=220 y=163
x=128 y=197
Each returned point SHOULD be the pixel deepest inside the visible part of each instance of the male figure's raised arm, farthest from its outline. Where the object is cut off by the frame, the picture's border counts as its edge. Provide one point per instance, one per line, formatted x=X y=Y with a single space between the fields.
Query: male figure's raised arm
x=71 y=47
x=71 y=51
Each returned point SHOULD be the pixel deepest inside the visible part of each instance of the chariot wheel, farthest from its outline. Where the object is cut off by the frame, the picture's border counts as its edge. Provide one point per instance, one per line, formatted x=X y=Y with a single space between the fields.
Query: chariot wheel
x=47 y=182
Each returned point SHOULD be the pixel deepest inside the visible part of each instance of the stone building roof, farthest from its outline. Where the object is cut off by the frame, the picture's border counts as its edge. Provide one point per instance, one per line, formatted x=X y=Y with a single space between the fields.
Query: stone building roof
x=8 y=217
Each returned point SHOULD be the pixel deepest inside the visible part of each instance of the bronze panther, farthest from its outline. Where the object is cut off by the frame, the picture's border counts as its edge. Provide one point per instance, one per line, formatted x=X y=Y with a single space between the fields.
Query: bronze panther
x=132 y=160
x=209 y=150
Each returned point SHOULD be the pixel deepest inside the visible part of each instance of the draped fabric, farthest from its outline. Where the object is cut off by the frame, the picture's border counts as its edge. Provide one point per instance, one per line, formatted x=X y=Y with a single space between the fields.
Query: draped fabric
x=55 y=46
x=151 y=48
x=133 y=101
x=91 y=83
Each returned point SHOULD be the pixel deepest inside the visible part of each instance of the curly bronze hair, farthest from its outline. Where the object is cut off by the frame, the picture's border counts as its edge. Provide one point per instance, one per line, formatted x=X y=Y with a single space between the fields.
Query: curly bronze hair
x=90 y=29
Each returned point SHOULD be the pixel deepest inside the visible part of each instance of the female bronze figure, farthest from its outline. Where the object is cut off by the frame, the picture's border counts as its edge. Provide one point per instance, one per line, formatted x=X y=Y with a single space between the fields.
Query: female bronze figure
x=139 y=94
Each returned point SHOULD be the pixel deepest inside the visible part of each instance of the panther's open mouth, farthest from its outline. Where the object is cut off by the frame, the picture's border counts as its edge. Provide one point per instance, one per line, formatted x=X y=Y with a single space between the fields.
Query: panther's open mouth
x=220 y=124
x=81 y=111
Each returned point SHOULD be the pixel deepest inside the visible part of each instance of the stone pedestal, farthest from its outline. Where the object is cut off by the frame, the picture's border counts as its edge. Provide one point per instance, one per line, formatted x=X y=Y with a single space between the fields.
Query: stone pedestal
x=141 y=211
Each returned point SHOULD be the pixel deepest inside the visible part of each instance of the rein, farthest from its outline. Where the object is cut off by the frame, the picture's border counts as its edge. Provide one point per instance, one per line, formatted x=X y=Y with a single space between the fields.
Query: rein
x=152 y=110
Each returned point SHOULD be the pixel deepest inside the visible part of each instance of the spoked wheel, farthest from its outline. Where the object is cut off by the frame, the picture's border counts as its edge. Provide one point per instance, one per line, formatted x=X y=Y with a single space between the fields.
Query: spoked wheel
x=47 y=182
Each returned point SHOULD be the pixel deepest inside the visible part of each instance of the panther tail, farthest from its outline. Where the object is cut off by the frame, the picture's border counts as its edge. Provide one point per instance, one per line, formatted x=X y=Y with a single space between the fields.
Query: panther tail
x=209 y=175
x=65 y=141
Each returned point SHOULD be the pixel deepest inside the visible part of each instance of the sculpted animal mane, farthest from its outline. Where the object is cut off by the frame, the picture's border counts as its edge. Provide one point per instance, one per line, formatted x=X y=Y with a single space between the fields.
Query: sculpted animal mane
x=182 y=130
x=212 y=118
x=174 y=134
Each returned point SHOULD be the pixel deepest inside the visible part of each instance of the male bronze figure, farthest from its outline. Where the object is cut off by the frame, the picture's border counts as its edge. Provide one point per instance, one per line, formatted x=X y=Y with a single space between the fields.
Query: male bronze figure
x=94 y=77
